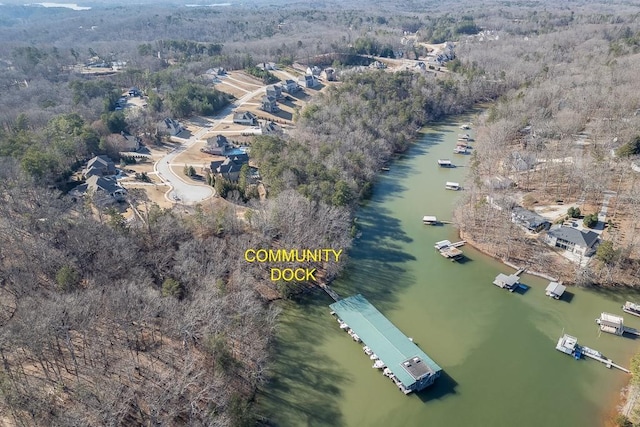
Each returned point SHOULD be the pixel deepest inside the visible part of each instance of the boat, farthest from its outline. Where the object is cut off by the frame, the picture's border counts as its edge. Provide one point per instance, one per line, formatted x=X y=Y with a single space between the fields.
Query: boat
x=592 y=352
x=356 y=338
x=429 y=220
x=631 y=308
x=367 y=350
x=344 y=326
x=460 y=150
x=445 y=163
x=452 y=186
x=465 y=127
x=385 y=169
x=373 y=356
x=379 y=364
x=387 y=372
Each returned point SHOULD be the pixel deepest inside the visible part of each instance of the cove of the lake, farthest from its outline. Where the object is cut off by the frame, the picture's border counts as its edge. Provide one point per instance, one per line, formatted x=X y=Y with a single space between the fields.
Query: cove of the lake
x=496 y=348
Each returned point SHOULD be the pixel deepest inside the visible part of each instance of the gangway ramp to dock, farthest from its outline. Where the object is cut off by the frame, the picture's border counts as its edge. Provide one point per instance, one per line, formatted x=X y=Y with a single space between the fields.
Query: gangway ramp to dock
x=520 y=271
x=333 y=294
x=608 y=362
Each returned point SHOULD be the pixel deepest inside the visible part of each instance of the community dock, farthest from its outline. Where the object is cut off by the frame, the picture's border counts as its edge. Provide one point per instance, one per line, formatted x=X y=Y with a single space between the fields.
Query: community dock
x=403 y=362
x=569 y=345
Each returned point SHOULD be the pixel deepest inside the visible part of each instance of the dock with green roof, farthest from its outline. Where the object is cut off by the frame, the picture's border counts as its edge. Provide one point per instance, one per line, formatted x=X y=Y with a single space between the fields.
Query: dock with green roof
x=406 y=364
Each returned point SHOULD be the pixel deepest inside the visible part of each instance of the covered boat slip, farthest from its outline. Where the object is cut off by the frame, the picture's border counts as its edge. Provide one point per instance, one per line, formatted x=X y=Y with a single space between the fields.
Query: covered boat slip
x=555 y=290
x=409 y=364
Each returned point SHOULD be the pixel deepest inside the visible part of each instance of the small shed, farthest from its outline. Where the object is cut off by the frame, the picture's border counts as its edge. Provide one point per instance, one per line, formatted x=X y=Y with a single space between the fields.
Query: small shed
x=555 y=290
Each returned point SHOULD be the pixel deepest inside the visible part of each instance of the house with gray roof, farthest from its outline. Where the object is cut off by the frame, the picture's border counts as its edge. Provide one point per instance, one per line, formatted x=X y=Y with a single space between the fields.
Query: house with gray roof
x=128 y=143
x=269 y=104
x=169 y=126
x=274 y=91
x=270 y=128
x=290 y=86
x=573 y=240
x=329 y=75
x=217 y=145
x=99 y=166
x=229 y=168
x=245 y=118
x=530 y=221
x=314 y=71
x=104 y=190
x=308 y=81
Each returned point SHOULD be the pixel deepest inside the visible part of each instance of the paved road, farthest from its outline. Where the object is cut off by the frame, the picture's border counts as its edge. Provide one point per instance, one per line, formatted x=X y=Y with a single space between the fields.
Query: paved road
x=181 y=190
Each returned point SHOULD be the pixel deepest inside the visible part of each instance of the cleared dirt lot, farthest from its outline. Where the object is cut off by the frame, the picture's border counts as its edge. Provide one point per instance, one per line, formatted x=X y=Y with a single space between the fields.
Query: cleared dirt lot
x=155 y=193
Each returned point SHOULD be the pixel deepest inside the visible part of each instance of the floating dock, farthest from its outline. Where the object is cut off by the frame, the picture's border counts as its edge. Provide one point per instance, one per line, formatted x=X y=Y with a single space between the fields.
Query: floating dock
x=405 y=363
x=569 y=345
x=450 y=250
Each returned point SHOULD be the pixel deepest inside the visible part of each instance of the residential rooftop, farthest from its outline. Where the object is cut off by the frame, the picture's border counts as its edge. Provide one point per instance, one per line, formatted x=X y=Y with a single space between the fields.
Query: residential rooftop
x=573 y=235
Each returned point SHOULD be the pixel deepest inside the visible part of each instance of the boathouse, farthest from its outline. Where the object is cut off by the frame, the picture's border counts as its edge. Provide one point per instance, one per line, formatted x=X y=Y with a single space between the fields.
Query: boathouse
x=412 y=369
x=507 y=282
x=611 y=323
x=555 y=290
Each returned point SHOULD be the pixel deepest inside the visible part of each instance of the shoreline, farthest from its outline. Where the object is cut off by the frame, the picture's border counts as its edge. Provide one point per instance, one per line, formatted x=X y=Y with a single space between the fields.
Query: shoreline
x=483 y=249
x=627 y=398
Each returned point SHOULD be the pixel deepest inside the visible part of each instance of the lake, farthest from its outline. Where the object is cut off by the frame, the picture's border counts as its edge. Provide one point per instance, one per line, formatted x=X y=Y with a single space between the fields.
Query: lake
x=496 y=348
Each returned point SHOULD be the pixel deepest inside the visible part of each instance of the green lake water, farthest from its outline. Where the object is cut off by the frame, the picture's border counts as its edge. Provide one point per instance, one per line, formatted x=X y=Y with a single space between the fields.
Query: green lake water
x=497 y=349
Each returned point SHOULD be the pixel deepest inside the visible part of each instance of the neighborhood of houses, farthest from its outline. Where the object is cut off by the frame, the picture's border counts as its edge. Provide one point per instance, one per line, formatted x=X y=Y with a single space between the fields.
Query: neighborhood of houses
x=216 y=145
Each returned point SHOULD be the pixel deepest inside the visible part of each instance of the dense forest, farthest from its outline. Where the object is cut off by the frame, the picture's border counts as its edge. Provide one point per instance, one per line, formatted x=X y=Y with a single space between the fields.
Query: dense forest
x=162 y=321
